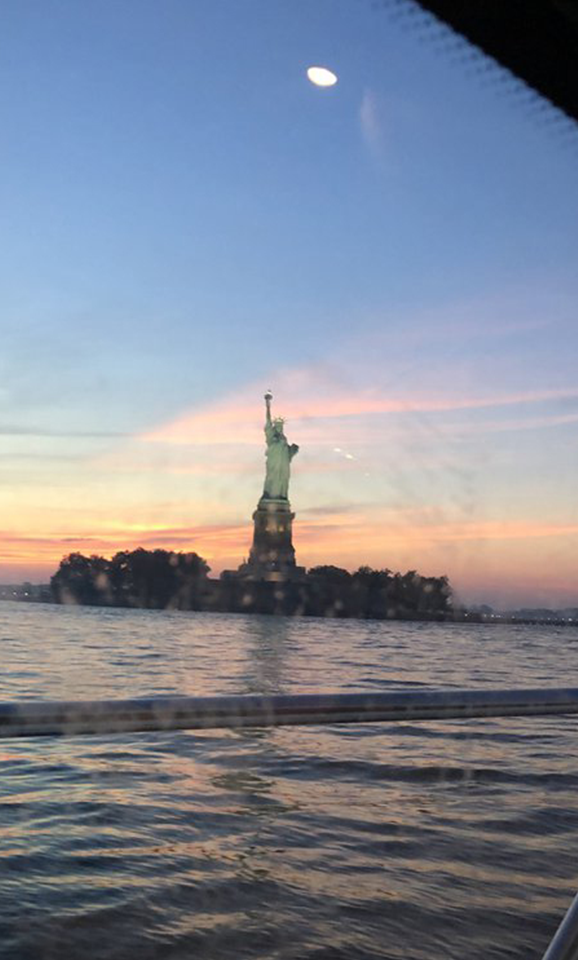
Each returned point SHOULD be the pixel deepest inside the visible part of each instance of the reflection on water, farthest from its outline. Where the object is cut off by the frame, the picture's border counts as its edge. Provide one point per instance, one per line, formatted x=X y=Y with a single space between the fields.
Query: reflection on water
x=268 y=655
x=416 y=840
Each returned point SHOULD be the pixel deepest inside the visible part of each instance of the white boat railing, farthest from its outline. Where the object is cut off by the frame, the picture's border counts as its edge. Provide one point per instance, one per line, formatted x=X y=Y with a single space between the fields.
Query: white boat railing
x=33 y=718
x=79 y=717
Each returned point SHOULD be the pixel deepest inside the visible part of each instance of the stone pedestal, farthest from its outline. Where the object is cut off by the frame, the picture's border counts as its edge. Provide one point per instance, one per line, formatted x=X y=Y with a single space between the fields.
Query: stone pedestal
x=272 y=555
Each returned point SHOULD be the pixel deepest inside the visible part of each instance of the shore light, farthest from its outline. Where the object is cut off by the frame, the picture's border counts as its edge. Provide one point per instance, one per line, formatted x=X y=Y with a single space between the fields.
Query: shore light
x=321 y=76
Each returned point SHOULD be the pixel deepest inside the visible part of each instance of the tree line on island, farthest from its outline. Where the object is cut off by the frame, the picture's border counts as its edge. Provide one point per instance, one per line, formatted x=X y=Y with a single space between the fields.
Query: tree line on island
x=154 y=579
x=162 y=579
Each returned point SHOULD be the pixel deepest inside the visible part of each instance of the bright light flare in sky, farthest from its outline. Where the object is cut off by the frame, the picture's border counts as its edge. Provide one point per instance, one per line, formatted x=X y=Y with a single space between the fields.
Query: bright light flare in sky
x=321 y=76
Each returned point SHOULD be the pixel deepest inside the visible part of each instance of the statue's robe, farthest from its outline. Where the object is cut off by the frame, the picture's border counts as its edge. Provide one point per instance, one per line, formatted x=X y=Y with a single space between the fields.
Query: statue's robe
x=279 y=455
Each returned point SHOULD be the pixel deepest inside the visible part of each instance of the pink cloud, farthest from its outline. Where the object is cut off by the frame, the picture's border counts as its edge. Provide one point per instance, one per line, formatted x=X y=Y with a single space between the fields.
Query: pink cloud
x=309 y=398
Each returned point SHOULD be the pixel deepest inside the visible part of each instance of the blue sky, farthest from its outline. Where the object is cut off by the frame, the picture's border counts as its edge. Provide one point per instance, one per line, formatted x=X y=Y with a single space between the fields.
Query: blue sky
x=187 y=221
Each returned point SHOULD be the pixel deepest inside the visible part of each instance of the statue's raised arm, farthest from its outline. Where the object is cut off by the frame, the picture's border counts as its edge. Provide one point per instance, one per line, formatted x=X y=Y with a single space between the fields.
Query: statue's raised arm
x=268 y=398
x=279 y=455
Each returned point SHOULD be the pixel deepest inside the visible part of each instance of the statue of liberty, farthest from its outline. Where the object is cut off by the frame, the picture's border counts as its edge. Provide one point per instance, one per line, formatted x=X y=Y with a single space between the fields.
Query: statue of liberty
x=279 y=456
x=272 y=554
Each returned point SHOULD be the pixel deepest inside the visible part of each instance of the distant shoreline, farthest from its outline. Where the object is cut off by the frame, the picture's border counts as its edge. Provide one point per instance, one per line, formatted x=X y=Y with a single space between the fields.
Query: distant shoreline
x=42 y=596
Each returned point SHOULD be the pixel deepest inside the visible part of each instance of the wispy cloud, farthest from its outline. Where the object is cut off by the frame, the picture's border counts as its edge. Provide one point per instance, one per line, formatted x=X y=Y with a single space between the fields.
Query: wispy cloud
x=370 y=123
x=215 y=542
x=8 y=430
x=309 y=400
x=510 y=425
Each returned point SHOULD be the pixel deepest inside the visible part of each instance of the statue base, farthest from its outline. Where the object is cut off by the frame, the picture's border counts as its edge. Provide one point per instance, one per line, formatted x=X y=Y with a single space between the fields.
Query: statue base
x=272 y=555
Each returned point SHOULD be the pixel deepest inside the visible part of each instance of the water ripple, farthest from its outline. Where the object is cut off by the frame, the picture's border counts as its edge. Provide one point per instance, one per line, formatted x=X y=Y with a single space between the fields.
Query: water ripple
x=379 y=841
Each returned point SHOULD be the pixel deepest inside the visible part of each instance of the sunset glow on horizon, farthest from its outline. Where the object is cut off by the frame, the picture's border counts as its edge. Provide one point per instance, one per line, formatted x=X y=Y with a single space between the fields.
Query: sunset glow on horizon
x=397 y=501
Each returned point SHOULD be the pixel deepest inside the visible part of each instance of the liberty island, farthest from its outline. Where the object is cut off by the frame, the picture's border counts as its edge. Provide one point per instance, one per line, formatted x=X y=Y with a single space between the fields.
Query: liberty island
x=268 y=581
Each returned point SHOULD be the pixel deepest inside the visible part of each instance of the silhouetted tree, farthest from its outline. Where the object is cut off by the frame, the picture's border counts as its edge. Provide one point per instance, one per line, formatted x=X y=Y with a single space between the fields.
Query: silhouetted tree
x=325 y=591
x=191 y=573
x=330 y=574
x=411 y=594
x=81 y=579
x=371 y=592
x=138 y=578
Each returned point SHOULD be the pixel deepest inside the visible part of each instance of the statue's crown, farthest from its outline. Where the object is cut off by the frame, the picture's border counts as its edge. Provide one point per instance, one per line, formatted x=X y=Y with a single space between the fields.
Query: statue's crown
x=279 y=420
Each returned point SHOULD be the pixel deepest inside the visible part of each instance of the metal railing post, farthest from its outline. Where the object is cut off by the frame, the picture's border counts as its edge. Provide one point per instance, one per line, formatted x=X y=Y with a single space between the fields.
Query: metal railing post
x=564 y=945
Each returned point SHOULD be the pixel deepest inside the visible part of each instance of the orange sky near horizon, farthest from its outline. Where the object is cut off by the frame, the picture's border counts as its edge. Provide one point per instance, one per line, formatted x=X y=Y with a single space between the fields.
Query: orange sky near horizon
x=478 y=559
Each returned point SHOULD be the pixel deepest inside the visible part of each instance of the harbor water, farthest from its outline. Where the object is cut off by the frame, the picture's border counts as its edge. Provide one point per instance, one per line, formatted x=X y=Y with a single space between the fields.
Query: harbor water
x=421 y=841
